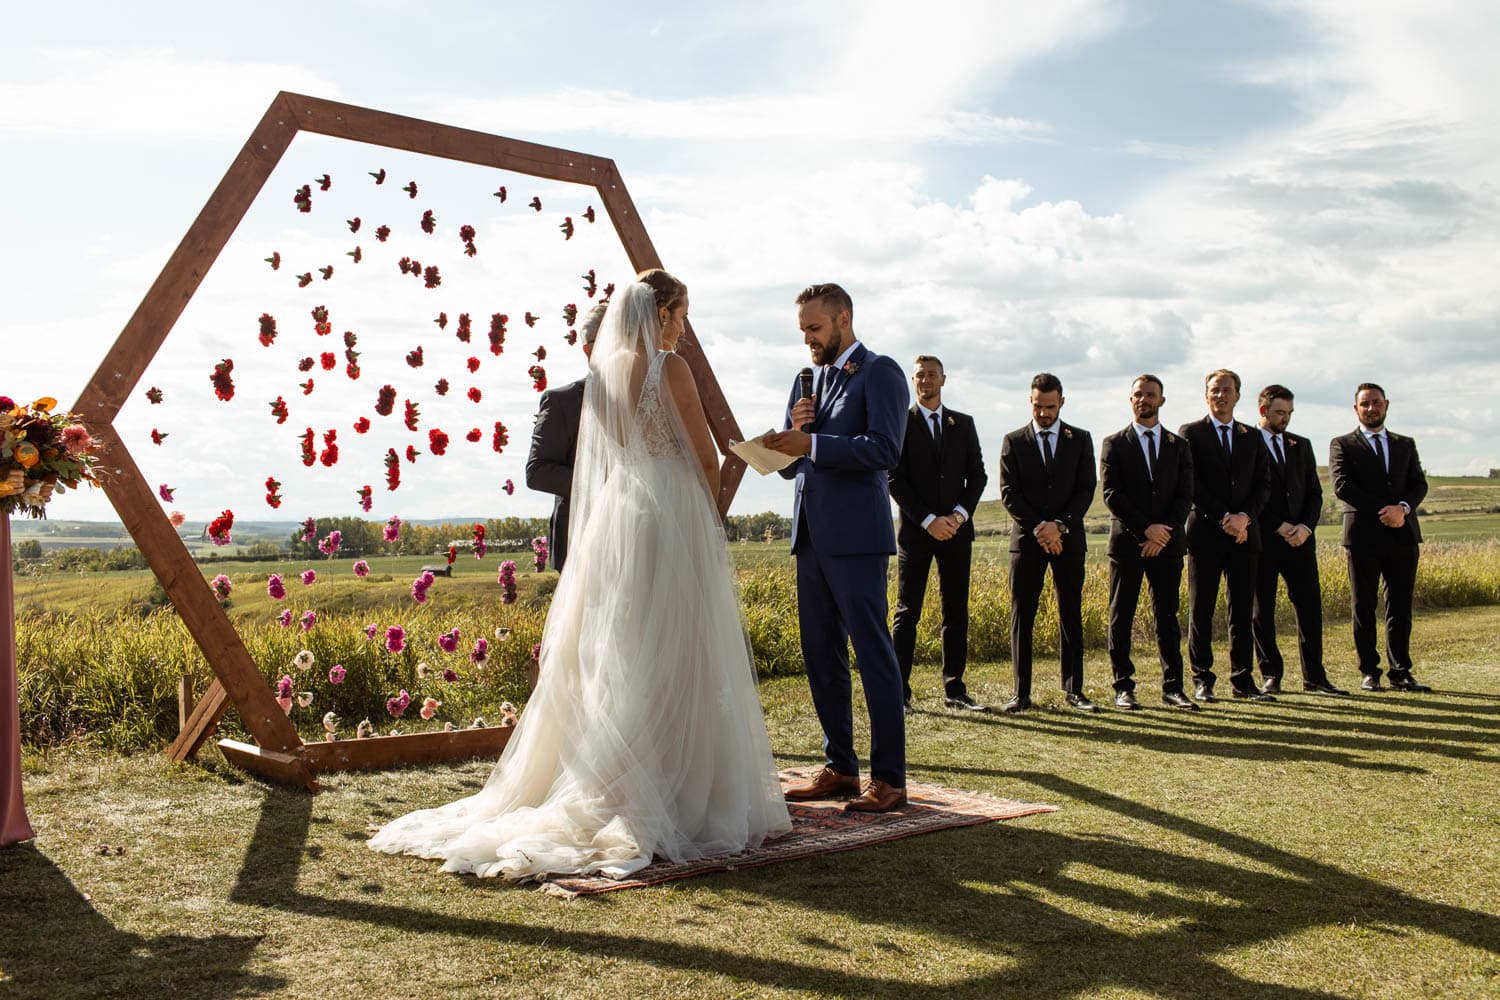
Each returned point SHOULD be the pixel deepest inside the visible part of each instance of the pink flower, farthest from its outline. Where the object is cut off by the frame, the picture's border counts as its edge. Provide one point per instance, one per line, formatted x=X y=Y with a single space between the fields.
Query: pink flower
x=420 y=586
x=372 y=630
x=337 y=673
x=398 y=705
x=285 y=618
x=448 y=641
x=392 y=529
x=178 y=518
x=284 y=686
x=330 y=545
x=429 y=707
x=395 y=638
x=509 y=488
x=481 y=651
x=165 y=492
x=361 y=568
x=309 y=619
x=275 y=587
x=76 y=439
x=536 y=652
x=285 y=701
x=309 y=528
x=309 y=577
x=222 y=587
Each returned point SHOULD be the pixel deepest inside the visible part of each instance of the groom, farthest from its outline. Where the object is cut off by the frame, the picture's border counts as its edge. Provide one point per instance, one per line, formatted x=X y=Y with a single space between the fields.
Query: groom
x=843 y=539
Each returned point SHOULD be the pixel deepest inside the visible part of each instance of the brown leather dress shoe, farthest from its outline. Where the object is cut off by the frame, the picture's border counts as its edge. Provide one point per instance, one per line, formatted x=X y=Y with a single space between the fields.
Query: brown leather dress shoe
x=878 y=797
x=829 y=784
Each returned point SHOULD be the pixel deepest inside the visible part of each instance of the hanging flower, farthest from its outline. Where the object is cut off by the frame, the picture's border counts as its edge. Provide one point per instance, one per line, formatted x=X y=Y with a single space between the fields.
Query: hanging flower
x=411 y=453
x=507 y=715
x=422 y=671
x=392 y=469
x=330 y=725
x=273 y=496
x=412 y=415
x=473 y=364
x=392 y=529
x=222 y=380
x=361 y=569
x=502 y=633
x=590 y=286
x=379 y=175
x=274 y=260
x=267 y=335
x=361 y=425
x=337 y=673
x=177 y=518
x=440 y=387
x=306 y=364
x=398 y=704
x=285 y=618
x=442 y=321
x=366 y=498
x=475 y=434
x=385 y=400
x=303 y=198
x=429 y=707
x=480 y=548
x=395 y=638
x=309 y=529
x=535 y=203
x=465 y=326
x=448 y=641
x=154 y=395
x=284 y=686
x=328 y=360
x=330 y=455
x=309 y=577
x=538 y=377
x=329 y=546
x=429 y=222
x=414 y=358
x=530 y=318
x=539 y=550
x=509 y=488
x=309 y=451
x=383 y=233
x=309 y=619
x=276 y=587
x=304 y=279
x=452 y=554
x=501 y=437
x=588 y=213
x=306 y=387
x=325 y=182
x=221 y=587
x=279 y=410
x=497 y=333
x=481 y=651
x=567 y=227
x=304 y=660
x=450 y=675
x=219 y=528
x=540 y=353
x=507 y=581
x=500 y=193
x=157 y=437
x=411 y=189
x=570 y=313
x=364 y=730
x=437 y=441
x=326 y=272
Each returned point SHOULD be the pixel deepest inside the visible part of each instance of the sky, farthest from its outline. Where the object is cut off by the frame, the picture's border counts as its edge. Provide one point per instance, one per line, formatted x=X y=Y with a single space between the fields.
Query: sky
x=1303 y=192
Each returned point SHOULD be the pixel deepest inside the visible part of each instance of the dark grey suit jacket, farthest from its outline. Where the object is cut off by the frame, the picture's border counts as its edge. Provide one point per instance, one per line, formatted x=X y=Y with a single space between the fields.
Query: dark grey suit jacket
x=549 y=463
x=1363 y=487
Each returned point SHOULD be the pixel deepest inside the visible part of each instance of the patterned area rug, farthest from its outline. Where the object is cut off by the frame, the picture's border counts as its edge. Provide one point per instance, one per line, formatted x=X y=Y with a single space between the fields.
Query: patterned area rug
x=824 y=828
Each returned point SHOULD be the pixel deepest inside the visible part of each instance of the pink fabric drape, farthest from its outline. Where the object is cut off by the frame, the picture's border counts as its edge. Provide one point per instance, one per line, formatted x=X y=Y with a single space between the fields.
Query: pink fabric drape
x=14 y=826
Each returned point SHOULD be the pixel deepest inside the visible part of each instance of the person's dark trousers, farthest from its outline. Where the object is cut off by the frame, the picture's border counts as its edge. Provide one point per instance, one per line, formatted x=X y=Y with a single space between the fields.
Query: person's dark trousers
x=1164 y=574
x=1299 y=568
x=1397 y=567
x=1027 y=573
x=913 y=561
x=1235 y=564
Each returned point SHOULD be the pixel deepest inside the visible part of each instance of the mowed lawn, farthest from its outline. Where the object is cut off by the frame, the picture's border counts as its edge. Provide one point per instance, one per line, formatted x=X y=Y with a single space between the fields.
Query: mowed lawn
x=1318 y=847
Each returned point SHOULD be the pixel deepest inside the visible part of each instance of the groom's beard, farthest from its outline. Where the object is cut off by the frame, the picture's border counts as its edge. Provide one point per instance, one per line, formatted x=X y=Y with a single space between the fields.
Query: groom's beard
x=825 y=354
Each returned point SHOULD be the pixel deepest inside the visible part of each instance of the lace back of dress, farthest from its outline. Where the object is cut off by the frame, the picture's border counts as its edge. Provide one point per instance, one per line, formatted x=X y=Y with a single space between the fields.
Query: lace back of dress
x=654 y=422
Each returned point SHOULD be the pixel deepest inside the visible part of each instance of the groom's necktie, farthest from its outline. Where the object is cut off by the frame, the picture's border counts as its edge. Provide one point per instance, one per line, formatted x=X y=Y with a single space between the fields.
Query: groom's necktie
x=825 y=384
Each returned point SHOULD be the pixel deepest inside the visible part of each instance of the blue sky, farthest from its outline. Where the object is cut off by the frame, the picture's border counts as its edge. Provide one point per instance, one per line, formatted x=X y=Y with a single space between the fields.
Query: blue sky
x=1302 y=191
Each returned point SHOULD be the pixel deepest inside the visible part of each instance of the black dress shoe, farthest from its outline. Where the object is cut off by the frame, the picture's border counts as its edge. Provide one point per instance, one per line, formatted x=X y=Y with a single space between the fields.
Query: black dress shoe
x=1081 y=703
x=1177 y=699
x=966 y=703
x=906 y=707
x=1252 y=694
x=1126 y=700
x=1370 y=684
x=1271 y=686
x=1408 y=683
x=1204 y=693
x=1016 y=705
x=1324 y=687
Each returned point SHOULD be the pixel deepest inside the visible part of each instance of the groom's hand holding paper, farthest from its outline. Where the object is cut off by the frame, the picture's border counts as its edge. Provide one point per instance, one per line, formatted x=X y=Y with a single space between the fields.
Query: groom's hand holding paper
x=795 y=443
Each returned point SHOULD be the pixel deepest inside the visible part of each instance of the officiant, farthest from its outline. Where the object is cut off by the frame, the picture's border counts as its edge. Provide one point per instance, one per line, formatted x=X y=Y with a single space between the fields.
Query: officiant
x=554 y=438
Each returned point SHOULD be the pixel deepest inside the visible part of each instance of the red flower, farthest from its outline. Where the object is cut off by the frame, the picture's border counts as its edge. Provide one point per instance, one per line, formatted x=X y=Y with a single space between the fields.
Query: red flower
x=474 y=394
x=366 y=501
x=219 y=527
x=452 y=554
x=267 y=329
x=411 y=453
x=392 y=469
x=431 y=278
x=412 y=415
x=570 y=313
x=309 y=454
x=567 y=227
x=306 y=387
x=165 y=492
x=500 y=193
x=326 y=272
x=274 y=260
x=411 y=189
x=474 y=434
x=330 y=448
x=350 y=339
x=540 y=353
x=589 y=284
x=429 y=222
x=361 y=425
x=382 y=233
x=223 y=383
x=303 y=198
x=535 y=203
x=404 y=264
x=414 y=358
x=328 y=360
x=437 y=441
x=609 y=289
x=538 y=377
x=352 y=370
x=304 y=279
x=157 y=437
x=325 y=182
x=466 y=233
x=530 y=319
x=357 y=254
x=501 y=437
x=385 y=401
x=497 y=333
x=572 y=337
x=588 y=213
x=354 y=224
x=273 y=496
x=441 y=387
x=462 y=333
x=379 y=176
x=154 y=395
x=305 y=365
x=473 y=364
x=442 y=321
x=278 y=410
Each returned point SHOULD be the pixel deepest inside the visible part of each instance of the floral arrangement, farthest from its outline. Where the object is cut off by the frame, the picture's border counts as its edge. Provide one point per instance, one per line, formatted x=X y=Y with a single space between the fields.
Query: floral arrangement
x=41 y=452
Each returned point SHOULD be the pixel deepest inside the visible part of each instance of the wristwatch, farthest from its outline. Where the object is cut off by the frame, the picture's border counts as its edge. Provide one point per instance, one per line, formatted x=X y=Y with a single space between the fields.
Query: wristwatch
x=959 y=516
x=1062 y=529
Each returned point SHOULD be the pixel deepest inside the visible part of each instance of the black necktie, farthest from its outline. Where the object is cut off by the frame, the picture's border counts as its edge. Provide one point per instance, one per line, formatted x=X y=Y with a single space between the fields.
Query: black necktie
x=1380 y=453
x=825 y=382
x=1224 y=438
x=1151 y=453
x=1276 y=450
x=1047 y=450
x=937 y=430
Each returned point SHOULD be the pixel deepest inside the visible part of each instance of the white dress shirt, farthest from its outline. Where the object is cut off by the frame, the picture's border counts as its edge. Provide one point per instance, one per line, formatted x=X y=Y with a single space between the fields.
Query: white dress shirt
x=927 y=416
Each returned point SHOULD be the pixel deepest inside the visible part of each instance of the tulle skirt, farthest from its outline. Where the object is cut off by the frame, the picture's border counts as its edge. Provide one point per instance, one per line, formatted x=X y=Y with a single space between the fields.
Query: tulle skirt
x=644 y=737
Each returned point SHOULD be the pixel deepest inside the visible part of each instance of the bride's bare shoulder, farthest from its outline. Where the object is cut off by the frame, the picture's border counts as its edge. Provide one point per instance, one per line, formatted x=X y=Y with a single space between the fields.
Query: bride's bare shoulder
x=677 y=372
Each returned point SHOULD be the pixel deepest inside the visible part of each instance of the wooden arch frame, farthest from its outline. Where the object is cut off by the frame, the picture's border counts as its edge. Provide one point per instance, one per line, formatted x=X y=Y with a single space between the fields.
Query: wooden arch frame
x=280 y=753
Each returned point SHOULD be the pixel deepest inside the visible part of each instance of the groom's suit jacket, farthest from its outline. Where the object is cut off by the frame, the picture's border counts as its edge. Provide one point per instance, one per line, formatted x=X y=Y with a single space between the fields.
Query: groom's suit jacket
x=549 y=465
x=842 y=500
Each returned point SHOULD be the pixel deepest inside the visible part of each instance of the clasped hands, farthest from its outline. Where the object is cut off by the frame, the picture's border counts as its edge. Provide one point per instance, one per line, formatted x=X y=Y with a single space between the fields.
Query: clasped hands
x=1236 y=526
x=795 y=442
x=1158 y=537
x=1393 y=515
x=1049 y=536
x=1293 y=534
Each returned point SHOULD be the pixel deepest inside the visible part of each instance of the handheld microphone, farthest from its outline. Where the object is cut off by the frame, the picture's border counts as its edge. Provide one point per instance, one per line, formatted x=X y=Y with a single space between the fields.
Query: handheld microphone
x=805 y=389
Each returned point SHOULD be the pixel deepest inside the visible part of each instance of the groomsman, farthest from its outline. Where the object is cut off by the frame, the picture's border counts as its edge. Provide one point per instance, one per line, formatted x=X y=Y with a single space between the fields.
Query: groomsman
x=1288 y=548
x=554 y=438
x=1047 y=481
x=936 y=484
x=1378 y=478
x=1147 y=473
x=1230 y=486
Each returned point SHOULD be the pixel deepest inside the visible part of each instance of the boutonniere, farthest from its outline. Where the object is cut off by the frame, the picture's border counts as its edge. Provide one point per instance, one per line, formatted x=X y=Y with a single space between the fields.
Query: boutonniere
x=851 y=367
x=1067 y=432
x=1167 y=437
x=950 y=421
x=1241 y=428
x=1291 y=443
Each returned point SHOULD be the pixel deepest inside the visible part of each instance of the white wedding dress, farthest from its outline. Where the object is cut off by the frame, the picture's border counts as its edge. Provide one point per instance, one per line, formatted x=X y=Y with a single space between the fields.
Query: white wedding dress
x=644 y=737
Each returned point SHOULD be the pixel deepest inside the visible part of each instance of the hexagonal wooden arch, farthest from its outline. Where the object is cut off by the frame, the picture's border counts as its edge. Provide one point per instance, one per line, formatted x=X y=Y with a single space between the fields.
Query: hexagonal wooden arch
x=280 y=753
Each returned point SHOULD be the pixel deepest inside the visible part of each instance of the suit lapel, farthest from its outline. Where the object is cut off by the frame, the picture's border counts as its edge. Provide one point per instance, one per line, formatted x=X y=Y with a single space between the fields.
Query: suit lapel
x=842 y=377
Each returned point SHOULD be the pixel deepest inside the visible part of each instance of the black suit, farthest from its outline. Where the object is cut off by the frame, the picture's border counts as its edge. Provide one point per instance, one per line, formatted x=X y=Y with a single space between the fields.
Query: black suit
x=1364 y=486
x=1296 y=497
x=1136 y=500
x=549 y=464
x=932 y=479
x=1034 y=492
x=1223 y=483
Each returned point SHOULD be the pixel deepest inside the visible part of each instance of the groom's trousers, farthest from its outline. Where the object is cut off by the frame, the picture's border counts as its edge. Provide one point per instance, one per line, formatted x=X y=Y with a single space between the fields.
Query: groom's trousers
x=842 y=600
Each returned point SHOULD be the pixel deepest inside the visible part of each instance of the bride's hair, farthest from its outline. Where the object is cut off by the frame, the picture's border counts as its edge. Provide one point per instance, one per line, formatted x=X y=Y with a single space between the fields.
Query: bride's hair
x=669 y=292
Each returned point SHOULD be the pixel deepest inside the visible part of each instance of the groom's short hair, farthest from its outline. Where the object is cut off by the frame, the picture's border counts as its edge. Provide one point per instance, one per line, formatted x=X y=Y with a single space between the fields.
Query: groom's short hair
x=834 y=298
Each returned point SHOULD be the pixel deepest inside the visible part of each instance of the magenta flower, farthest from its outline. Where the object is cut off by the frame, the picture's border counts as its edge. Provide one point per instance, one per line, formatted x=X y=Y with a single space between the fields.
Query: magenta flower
x=395 y=638
x=398 y=705
x=309 y=530
x=222 y=587
x=448 y=641
x=420 y=586
x=284 y=686
x=337 y=673
x=330 y=545
x=275 y=587
x=450 y=675
x=507 y=581
x=536 y=652
x=165 y=492
x=309 y=619
x=392 y=529
x=509 y=488
x=285 y=618
x=361 y=569
x=372 y=630
x=481 y=651
x=309 y=577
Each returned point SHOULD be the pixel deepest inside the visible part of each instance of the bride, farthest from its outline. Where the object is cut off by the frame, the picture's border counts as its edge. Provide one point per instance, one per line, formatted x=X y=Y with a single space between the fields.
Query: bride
x=644 y=737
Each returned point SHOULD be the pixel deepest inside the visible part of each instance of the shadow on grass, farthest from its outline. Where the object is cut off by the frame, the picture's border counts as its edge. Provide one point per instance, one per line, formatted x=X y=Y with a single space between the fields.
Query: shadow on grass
x=1017 y=890
x=53 y=943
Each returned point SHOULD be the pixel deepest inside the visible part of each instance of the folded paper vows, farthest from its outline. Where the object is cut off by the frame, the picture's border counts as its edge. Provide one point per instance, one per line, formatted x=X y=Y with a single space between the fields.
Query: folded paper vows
x=759 y=457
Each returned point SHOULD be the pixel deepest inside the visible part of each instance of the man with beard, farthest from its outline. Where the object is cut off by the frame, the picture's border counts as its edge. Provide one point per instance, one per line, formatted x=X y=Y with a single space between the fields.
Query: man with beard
x=1378 y=478
x=1147 y=473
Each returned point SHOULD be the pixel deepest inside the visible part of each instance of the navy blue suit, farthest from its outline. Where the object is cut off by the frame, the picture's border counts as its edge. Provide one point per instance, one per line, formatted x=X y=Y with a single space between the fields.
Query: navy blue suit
x=843 y=537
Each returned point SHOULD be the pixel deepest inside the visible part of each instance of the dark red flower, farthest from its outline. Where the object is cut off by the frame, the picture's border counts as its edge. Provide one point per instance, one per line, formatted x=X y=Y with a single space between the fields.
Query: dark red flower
x=431 y=277
x=538 y=377
x=267 y=329
x=303 y=198
x=442 y=321
x=429 y=222
x=366 y=500
x=473 y=364
x=567 y=227
x=411 y=453
x=535 y=203
x=540 y=353
x=154 y=395
x=157 y=437
x=219 y=527
x=379 y=176
x=440 y=387
x=385 y=402
x=609 y=290
x=572 y=337
x=413 y=414
x=588 y=213
x=466 y=233
x=357 y=254
x=500 y=438
x=589 y=284
x=500 y=193
x=462 y=333
x=354 y=224
x=570 y=313
x=325 y=182
x=414 y=358
x=278 y=410
x=352 y=370
x=304 y=279
x=326 y=272
x=383 y=233
x=273 y=494
x=497 y=333
x=309 y=453
x=474 y=394
x=437 y=441
x=350 y=339
x=530 y=319
x=328 y=360
x=392 y=469
x=361 y=425
x=223 y=382
x=306 y=387
x=306 y=365
x=274 y=260
x=474 y=434
x=330 y=448
x=411 y=189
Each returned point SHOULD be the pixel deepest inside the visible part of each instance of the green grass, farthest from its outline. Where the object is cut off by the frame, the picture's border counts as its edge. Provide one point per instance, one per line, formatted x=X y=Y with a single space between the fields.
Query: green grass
x=1313 y=848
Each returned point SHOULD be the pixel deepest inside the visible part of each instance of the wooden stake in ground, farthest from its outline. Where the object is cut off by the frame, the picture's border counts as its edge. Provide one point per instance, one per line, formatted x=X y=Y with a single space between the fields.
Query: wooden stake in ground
x=14 y=826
